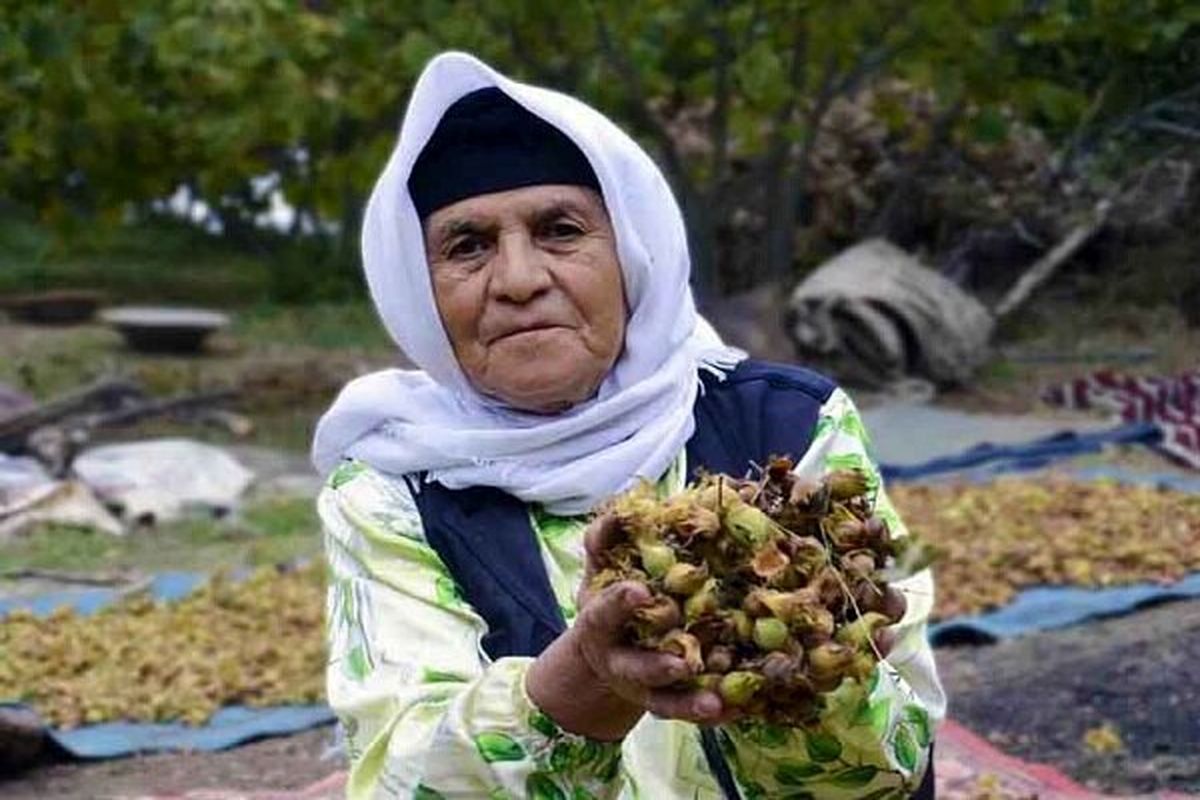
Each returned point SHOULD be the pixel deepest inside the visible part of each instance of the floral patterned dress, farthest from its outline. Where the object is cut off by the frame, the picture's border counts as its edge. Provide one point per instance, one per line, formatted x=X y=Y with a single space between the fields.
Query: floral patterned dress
x=427 y=714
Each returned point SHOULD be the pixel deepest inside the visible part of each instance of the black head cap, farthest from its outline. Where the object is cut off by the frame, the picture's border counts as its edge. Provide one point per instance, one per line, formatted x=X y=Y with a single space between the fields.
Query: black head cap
x=486 y=142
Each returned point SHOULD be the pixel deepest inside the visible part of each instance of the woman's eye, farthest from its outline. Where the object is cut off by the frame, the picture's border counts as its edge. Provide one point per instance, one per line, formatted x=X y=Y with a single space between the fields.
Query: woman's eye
x=466 y=248
x=563 y=230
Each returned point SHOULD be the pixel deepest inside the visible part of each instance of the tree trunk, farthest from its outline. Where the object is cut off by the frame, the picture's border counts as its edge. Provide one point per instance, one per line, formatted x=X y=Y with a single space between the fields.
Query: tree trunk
x=782 y=213
x=353 y=206
x=702 y=245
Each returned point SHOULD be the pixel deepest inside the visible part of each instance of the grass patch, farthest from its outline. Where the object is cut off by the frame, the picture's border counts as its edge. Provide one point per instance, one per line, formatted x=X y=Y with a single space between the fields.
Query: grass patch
x=160 y=262
x=46 y=361
x=267 y=532
x=351 y=325
x=168 y=261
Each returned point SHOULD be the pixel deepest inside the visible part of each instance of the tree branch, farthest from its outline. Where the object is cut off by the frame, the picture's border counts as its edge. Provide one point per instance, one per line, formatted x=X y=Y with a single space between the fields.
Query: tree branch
x=1173 y=128
x=781 y=206
x=637 y=102
x=1138 y=118
x=872 y=59
x=755 y=18
x=719 y=121
x=1045 y=266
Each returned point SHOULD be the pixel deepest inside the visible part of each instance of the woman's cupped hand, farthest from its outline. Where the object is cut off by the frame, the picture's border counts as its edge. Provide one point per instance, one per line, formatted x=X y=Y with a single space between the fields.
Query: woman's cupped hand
x=591 y=681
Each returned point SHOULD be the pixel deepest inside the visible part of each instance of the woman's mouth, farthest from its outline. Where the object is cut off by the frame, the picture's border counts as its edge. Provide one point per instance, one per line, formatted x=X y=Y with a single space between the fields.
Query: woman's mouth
x=514 y=332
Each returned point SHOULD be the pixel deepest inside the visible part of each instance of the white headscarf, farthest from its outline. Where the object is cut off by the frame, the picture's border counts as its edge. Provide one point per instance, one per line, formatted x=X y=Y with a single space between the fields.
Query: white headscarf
x=431 y=420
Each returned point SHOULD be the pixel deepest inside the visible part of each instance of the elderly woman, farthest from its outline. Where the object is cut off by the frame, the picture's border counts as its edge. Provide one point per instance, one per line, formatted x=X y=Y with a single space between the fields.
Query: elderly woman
x=530 y=259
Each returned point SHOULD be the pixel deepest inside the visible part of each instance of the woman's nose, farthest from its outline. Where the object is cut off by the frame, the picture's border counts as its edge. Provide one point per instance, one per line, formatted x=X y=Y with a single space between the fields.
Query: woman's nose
x=521 y=270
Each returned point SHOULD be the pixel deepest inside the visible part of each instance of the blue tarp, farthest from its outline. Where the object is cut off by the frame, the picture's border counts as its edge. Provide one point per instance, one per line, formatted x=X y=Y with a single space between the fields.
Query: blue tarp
x=1048 y=607
x=165 y=586
x=991 y=459
x=229 y=727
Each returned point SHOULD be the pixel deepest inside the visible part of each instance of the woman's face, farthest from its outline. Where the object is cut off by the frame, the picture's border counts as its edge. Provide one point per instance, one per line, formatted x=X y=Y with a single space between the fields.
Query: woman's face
x=530 y=293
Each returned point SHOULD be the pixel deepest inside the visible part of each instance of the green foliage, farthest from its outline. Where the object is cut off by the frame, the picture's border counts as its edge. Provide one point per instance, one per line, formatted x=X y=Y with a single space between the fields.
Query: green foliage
x=107 y=106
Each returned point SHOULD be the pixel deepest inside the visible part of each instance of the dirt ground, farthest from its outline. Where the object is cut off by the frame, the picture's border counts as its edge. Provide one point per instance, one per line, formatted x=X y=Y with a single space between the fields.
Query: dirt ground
x=1035 y=697
x=289 y=762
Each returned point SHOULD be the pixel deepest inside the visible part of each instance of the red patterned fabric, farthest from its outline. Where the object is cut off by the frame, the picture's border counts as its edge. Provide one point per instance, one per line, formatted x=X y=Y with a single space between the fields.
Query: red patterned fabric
x=1171 y=403
x=969 y=768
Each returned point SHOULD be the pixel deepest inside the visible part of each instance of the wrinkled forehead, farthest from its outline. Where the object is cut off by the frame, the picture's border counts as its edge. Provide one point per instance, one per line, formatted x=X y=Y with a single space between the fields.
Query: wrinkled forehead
x=528 y=206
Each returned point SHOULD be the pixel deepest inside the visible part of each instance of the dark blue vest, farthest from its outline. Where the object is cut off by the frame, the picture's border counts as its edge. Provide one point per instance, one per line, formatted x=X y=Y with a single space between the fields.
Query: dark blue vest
x=485 y=538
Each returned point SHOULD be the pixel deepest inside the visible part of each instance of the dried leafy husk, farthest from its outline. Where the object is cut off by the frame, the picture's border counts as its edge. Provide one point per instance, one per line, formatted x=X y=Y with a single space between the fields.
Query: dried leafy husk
x=256 y=641
x=779 y=580
x=992 y=540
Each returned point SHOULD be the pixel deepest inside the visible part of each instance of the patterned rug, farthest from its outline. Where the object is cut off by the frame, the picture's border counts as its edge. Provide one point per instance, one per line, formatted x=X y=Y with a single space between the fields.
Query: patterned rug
x=1171 y=403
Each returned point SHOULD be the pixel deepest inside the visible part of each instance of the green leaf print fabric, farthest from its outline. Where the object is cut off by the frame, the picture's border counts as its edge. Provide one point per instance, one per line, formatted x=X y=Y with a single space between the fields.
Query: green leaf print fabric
x=427 y=715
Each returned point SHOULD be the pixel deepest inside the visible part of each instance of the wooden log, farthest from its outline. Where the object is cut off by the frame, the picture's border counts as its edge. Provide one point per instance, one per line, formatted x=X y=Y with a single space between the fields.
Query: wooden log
x=107 y=394
x=1045 y=267
x=57 y=445
x=146 y=409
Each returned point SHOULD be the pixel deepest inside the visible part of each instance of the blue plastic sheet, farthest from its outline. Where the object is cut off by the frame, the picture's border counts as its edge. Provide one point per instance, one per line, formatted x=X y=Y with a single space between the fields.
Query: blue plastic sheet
x=1048 y=607
x=990 y=459
x=164 y=586
x=229 y=727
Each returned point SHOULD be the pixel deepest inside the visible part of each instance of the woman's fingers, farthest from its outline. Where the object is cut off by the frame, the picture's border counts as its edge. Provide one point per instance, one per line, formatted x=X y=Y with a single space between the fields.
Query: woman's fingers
x=702 y=707
x=885 y=640
x=602 y=619
x=646 y=668
x=894 y=603
x=639 y=675
x=601 y=628
x=601 y=534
